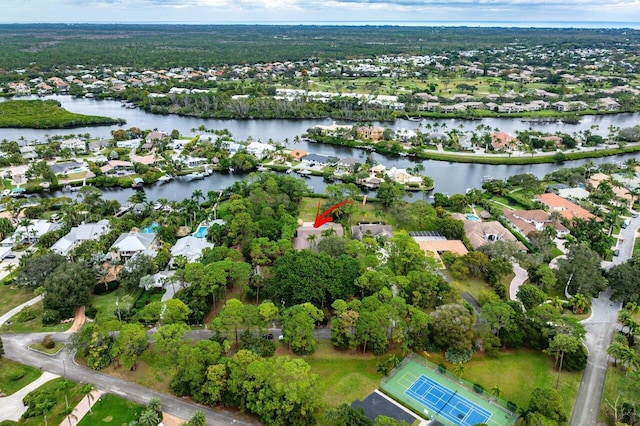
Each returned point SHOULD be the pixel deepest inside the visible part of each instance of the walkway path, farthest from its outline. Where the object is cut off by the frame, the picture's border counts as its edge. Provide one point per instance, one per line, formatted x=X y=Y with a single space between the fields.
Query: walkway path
x=518 y=280
x=6 y=317
x=81 y=409
x=78 y=320
x=12 y=406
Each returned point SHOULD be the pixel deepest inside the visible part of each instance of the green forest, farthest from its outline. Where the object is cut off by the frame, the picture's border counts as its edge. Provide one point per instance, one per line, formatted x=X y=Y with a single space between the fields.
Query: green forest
x=46 y=115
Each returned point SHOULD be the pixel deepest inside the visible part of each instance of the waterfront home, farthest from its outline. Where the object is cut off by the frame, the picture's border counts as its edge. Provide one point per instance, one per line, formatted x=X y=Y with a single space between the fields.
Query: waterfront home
x=346 y=165
x=569 y=106
x=30 y=233
x=153 y=137
x=62 y=168
x=403 y=177
x=148 y=160
x=405 y=135
x=307 y=235
x=190 y=247
x=80 y=234
x=566 y=208
x=189 y=161
x=98 y=146
x=607 y=104
x=28 y=153
x=318 y=160
x=118 y=168
x=73 y=144
x=527 y=221
x=502 y=141
x=334 y=129
x=372 y=133
x=298 y=153
x=259 y=150
x=131 y=243
x=131 y=143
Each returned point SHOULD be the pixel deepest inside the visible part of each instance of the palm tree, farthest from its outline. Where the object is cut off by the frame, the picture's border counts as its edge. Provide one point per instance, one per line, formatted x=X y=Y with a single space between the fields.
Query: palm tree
x=198 y=419
x=149 y=418
x=630 y=358
x=496 y=391
x=26 y=224
x=617 y=347
x=197 y=194
x=458 y=369
x=580 y=303
x=557 y=303
x=311 y=238
x=89 y=388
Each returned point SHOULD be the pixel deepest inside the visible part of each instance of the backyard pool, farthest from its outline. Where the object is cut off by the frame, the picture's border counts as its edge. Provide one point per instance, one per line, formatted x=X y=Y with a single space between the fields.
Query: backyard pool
x=472 y=217
x=151 y=228
x=201 y=232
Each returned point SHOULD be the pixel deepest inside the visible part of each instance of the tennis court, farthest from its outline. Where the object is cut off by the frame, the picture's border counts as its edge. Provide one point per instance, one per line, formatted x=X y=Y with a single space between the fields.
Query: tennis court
x=447 y=403
x=431 y=394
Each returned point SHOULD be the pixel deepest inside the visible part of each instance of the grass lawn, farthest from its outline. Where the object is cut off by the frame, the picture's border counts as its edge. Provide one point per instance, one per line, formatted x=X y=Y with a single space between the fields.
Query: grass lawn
x=34 y=325
x=14 y=376
x=366 y=213
x=40 y=348
x=112 y=410
x=612 y=390
x=518 y=373
x=106 y=304
x=58 y=388
x=344 y=376
x=12 y=296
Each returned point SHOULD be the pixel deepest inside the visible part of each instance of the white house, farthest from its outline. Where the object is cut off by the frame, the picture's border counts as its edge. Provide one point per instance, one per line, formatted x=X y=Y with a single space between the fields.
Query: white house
x=74 y=144
x=31 y=233
x=259 y=150
x=189 y=247
x=131 y=143
x=131 y=243
x=79 y=234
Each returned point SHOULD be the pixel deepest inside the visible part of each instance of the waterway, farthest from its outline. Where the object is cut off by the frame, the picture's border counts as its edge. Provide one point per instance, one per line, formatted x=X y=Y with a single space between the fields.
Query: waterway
x=449 y=178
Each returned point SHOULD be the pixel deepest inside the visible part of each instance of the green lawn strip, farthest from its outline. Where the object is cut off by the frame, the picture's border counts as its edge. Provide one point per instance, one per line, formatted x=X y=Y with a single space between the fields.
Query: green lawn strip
x=613 y=390
x=34 y=325
x=364 y=214
x=518 y=373
x=14 y=376
x=59 y=388
x=112 y=410
x=473 y=286
x=45 y=115
x=344 y=376
x=12 y=296
x=49 y=351
x=149 y=372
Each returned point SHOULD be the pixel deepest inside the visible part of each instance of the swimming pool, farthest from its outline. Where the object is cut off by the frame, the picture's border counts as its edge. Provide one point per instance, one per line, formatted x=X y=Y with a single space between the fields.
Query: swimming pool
x=473 y=217
x=201 y=232
x=151 y=228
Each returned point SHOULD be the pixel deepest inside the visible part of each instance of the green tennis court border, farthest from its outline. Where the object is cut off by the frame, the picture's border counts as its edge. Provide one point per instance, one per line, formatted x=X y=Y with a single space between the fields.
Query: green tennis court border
x=413 y=366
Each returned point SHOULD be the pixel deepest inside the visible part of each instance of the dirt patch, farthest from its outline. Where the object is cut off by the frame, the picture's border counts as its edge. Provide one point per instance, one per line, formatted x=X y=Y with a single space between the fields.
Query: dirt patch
x=169 y=420
x=78 y=320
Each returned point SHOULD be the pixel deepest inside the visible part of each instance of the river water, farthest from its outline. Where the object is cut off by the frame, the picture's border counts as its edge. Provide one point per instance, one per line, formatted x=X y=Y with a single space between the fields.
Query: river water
x=449 y=178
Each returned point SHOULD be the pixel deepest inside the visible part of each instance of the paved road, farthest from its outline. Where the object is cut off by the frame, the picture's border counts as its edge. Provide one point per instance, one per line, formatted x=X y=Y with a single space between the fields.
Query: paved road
x=600 y=328
x=4 y=318
x=15 y=346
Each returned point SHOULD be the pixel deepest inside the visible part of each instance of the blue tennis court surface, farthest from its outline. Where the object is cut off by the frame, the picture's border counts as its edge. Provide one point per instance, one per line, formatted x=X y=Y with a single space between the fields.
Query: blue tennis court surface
x=446 y=403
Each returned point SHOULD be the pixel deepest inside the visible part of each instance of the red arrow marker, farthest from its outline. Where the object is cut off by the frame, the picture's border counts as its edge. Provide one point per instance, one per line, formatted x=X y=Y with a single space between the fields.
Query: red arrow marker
x=323 y=218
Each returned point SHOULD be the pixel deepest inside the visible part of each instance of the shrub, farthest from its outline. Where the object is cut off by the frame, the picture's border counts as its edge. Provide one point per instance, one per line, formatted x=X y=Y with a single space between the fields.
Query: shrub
x=442 y=368
x=478 y=388
x=459 y=357
x=90 y=311
x=26 y=314
x=17 y=375
x=511 y=406
x=47 y=342
x=50 y=317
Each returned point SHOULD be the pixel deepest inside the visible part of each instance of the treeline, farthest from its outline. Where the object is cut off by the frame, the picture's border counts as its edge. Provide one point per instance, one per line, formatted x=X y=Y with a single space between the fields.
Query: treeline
x=46 y=115
x=50 y=46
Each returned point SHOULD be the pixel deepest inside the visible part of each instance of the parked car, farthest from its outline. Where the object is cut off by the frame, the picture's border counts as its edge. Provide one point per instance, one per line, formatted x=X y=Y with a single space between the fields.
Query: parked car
x=616 y=252
x=10 y=256
x=268 y=336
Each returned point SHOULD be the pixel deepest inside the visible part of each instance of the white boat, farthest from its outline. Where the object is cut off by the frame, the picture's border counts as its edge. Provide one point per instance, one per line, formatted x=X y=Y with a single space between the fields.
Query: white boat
x=164 y=179
x=231 y=170
x=195 y=176
x=6 y=192
x=263 y=169
x=304 y=172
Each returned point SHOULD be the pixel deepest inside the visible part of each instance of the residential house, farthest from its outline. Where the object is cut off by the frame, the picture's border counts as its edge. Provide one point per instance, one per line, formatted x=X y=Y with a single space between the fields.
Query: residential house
x=190 y=247
x=80 y=234
x=566 y=208
x=481 y=233
x=372 y=133
x=189 y=161
x=297 y=153
x=30 y=233
x=131 y=243
x=154 y=137
x=131 y=143
x=28 y=153
x=436 y=244
x=73 y=144
x=307 y=235
x=376 y=230
x=118 y=168
x=98 y=146
x=259 y=150
x=334 y=129
x=319 y=159
x=502 y=141
x=346 y=165
x=527 y=221
x=608 y=104
x=403 y=177
x=62 y=168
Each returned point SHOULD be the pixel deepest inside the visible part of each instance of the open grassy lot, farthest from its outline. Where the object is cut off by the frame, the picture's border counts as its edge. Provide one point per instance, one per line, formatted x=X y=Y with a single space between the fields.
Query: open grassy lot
x=112 y=410
x=148 y=372
x=518 y=373
x=14 y=376
x=106 y=304
x=371 y=212
x=613 y=389
x=44 y=115
x=34 y=325
x=12 y=296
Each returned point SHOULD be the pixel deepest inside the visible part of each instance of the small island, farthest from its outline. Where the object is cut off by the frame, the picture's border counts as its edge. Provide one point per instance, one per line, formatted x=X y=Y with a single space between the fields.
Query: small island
x=37 y=114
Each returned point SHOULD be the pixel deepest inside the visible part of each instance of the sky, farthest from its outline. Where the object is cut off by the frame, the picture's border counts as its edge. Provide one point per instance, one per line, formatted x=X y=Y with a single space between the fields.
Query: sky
x=558 y=13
